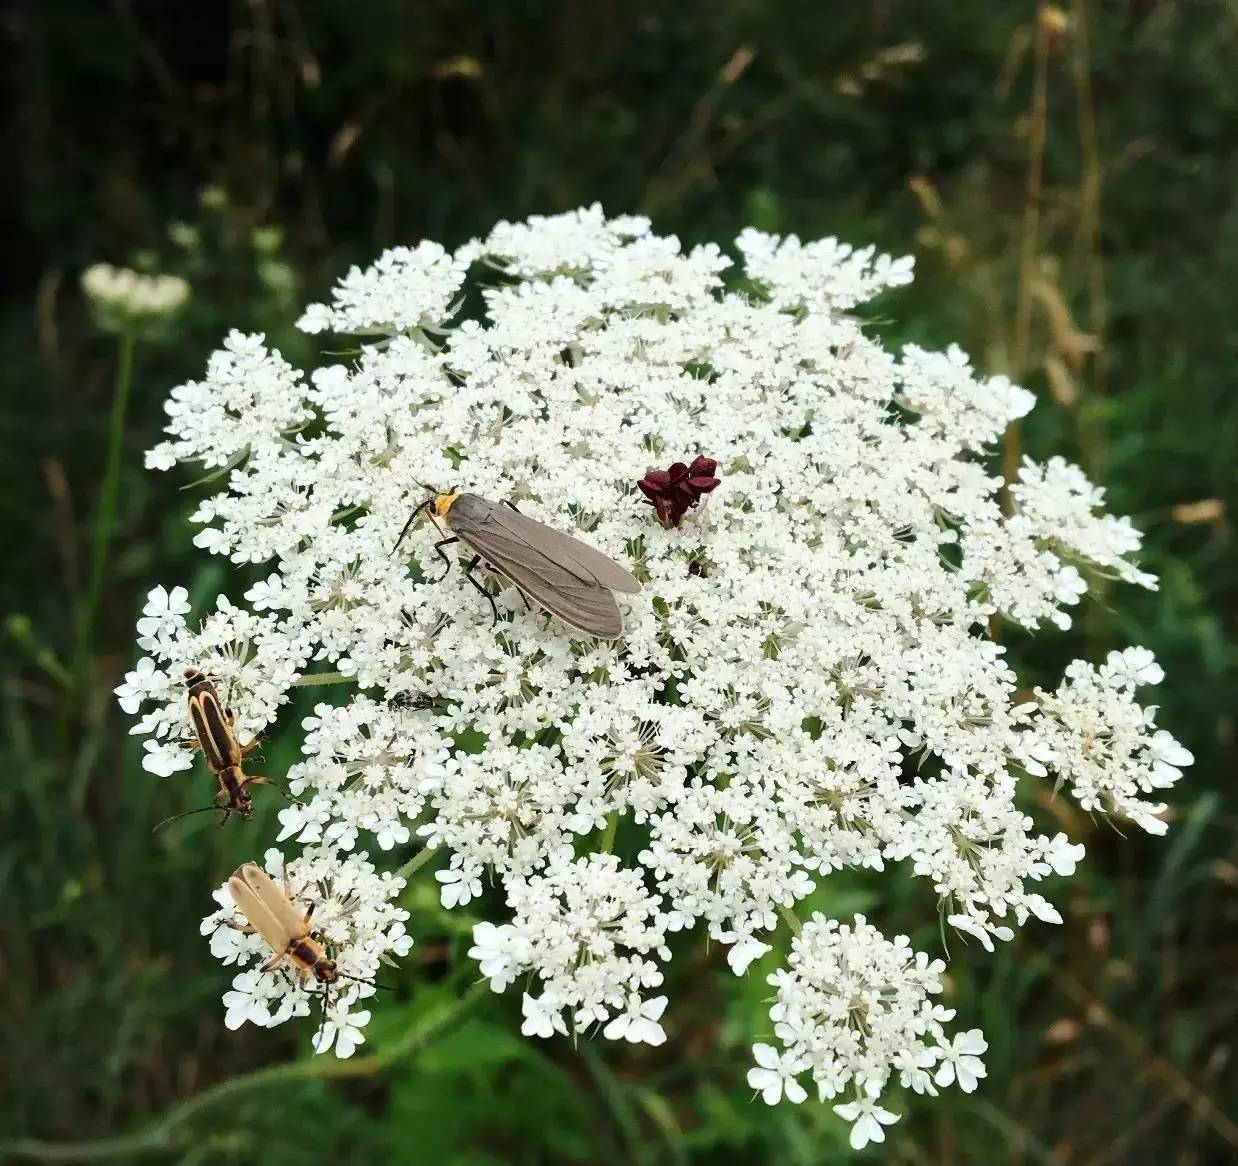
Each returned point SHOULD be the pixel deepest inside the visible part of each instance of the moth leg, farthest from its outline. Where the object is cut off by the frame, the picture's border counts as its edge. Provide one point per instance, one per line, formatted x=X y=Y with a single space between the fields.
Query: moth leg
x=495 y=571
x=442 y=554
x=300 y=895
x=192 y=743
x=325 y=994
x=274 y=961
x=468 y=574
x=512 y=505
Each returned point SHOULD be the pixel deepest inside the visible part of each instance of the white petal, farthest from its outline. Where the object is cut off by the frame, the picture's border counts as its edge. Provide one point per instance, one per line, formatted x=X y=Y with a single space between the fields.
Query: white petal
x=766 y=1056
x=972 y=1041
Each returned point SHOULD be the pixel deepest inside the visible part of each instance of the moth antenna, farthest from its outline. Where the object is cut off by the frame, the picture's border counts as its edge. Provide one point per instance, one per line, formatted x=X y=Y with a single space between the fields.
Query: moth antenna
x=409 y=523
x=418 y=509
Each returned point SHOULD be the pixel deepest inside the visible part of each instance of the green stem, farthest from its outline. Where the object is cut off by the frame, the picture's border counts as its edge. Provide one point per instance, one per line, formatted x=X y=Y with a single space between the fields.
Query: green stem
x=105 y=516
x=314 y=679
x=415 y=863
x=20 y=628
x=612 y=828
x=164 y=1134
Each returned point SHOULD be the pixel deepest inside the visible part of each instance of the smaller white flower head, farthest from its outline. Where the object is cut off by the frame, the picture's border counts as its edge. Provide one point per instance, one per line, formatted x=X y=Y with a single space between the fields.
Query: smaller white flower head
x=868 y=1121
x=960 y=1060
x=774 y=1075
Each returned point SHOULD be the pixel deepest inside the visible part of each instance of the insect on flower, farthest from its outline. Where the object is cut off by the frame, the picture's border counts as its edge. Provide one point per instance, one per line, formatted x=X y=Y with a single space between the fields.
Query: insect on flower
x=269 y=913
x=568 y=578
x=214 y=734
x=411 y=701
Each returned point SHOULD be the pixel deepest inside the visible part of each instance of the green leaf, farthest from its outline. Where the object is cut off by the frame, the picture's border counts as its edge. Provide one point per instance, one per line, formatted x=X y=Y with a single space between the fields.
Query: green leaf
x=475 y=1044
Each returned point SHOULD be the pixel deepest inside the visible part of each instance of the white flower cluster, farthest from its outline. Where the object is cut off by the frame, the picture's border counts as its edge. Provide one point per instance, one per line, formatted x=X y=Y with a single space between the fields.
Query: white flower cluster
x=354 y=912
x=124 y=299
x=806 y=681
x=408 y=287
x=1104 y=746
x=589 y=931
x=852 y=1010
x=249 y=403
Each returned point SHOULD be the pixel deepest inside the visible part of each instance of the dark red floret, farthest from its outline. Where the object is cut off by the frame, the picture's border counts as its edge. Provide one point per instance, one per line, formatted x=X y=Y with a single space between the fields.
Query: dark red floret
x=676 y=490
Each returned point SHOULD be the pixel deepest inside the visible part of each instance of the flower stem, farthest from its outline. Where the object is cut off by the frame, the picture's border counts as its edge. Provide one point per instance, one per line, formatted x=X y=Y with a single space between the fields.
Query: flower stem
x=105 y=516
x=1012 y=450
x=415 y=863
x=165 y=1133
x=314 y=679
x=612 y=828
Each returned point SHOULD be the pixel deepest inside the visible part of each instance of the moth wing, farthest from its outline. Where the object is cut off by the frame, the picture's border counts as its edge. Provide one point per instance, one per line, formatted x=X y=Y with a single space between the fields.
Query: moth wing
x=588 y=609
x=265 y=906
x=580 y=604
x=587 y=563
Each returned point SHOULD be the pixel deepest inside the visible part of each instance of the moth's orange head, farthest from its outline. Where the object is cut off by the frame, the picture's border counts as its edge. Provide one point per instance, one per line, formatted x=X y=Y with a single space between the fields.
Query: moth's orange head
x=443 y=503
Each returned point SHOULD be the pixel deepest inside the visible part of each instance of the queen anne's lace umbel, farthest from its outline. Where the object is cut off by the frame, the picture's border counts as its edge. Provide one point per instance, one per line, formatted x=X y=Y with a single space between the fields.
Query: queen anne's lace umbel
x=806 y=681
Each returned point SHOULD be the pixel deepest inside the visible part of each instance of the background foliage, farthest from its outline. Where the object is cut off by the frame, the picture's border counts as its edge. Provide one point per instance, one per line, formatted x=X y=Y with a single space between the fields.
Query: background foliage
x=1066 y=178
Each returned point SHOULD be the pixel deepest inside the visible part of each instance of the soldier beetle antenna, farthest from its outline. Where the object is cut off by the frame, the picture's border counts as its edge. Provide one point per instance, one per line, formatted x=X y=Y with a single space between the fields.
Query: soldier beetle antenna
x=187 y=813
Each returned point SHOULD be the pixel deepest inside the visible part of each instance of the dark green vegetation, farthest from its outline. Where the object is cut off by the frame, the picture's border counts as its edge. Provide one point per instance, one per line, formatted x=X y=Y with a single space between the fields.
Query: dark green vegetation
x=1068 y=189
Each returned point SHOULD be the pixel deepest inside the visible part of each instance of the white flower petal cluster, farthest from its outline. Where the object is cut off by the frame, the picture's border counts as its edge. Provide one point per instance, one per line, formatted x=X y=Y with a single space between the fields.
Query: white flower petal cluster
x=1060 y=507
x=408 y=288
x=854 y=1010
x=1105 y=748
x=825 y=275
x=123 y=299
x=358 y=775
x=354 y=915
x=592 y=936
x=250 y=403
x=806 y=682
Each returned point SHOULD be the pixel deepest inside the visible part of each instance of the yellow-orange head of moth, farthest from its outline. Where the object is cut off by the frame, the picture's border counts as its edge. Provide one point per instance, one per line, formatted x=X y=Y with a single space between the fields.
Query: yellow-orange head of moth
x=443 y=503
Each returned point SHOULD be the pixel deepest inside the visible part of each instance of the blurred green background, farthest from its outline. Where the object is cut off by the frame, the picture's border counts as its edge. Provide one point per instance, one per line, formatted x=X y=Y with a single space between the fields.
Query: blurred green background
x=1066 y=179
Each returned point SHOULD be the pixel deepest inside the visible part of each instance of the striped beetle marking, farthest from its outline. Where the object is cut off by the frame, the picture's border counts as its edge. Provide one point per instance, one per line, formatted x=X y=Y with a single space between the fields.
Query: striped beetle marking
x=214 y=734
